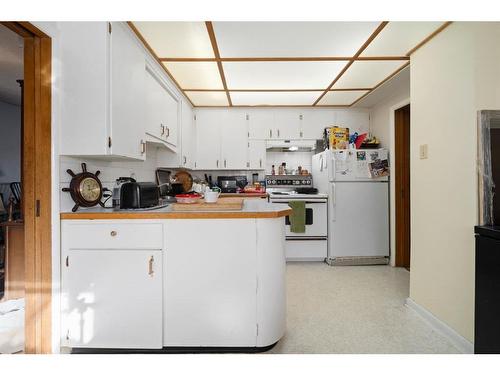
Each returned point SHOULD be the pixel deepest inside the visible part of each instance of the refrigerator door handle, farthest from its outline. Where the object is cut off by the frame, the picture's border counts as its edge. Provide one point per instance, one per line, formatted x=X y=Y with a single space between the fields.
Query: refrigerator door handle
x=332 y=170
x=333 y=200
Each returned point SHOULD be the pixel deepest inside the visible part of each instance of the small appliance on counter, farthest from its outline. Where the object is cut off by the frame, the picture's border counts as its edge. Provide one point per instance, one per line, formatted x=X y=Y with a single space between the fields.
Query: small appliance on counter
x=134 y=195
x=231 y=184
x=117 y=188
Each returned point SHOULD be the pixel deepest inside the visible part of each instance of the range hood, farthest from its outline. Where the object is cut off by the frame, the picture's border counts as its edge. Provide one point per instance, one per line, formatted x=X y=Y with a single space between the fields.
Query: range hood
x=291 y=145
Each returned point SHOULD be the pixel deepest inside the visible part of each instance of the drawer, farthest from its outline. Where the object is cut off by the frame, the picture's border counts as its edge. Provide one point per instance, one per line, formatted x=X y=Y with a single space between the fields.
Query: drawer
x=112 y=235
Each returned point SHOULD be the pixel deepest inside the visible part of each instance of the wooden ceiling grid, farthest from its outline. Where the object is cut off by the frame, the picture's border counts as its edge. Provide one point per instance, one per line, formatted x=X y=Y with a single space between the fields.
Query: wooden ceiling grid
x=330 y=88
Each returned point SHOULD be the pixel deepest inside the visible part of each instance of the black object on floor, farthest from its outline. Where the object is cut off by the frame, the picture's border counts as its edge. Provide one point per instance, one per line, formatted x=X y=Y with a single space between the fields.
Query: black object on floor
x=176 y=350
x=487 y=303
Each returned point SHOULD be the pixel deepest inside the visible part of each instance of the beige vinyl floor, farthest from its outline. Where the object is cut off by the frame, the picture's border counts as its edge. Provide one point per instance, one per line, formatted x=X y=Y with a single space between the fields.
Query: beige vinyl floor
x=358 y=309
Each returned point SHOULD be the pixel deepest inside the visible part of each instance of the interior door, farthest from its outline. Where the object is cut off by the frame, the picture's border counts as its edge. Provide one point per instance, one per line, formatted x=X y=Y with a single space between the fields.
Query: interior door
x=359 y=219
x=113 y=299
x=402 y=185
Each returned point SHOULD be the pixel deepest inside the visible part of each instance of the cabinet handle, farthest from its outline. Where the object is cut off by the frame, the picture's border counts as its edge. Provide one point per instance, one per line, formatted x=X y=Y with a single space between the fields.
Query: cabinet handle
x=260 y=163
x=270 y=133
x=217 y=163
x=278 y=133
x=143 y=147
x=113 y=233
x=168 y=132
x=162 y=129
x=185 y=160
x=301 y=134
x=225 y=163
x=151 y=262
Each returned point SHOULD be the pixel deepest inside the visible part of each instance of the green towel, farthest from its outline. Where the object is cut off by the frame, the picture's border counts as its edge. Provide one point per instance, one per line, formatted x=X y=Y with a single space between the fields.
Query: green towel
x=298 y=216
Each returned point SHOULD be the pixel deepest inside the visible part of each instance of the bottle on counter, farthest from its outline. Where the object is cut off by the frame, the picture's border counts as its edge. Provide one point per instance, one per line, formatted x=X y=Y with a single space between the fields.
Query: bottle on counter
x=273 y=171
x=280 y=170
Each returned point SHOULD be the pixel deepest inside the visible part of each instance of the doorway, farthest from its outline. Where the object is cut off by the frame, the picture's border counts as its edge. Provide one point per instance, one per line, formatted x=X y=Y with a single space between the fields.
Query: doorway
x=402 y=185
x=34 y=188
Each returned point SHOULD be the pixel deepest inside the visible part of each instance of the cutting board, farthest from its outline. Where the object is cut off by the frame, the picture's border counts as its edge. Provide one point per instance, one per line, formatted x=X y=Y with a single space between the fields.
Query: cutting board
x=223 y=204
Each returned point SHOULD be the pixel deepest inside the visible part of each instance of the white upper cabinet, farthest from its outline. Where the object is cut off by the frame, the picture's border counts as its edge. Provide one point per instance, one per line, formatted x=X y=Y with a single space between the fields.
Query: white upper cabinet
x=260 y=124
x=234 y=136
x=314 y=121
x=103 y=90
x=356 y=121
x=188 y=136
x=128 y=89
x=84 y=89
x=287 y=124
x=208 y=138
x=256 y=154
x=163 y=110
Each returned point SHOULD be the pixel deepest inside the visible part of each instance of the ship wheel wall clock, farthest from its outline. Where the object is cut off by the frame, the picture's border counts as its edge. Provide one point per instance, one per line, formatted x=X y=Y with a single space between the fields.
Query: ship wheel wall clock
x=86 y=189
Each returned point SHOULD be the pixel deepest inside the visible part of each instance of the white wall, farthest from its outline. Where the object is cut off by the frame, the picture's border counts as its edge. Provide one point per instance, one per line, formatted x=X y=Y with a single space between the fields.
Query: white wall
x=452 y=76
x=382 y=127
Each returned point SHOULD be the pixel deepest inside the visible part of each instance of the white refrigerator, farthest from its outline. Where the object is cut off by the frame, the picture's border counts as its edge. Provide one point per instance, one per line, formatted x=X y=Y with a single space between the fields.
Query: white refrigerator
x=358 y=204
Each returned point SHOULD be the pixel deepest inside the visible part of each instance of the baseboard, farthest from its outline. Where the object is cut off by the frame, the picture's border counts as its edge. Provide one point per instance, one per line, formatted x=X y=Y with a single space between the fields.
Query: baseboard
x=457 y=340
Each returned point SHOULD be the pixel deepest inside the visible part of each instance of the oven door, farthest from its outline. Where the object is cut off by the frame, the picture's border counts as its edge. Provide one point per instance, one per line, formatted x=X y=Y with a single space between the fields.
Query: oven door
x=316 y=220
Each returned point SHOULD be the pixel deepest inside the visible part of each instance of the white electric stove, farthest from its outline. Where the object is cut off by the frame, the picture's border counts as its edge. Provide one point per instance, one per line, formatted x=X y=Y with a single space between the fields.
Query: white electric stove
x=312 y=245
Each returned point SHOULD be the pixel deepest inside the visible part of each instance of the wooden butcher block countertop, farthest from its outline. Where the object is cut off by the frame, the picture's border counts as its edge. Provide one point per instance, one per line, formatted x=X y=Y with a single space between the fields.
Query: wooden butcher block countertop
x=252 y=208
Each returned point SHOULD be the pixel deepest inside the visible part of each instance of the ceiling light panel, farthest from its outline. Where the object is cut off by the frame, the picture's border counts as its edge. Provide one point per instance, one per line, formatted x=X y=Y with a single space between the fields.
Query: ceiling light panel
x=398 y=38
x=367 y=73
x=208 y=98
x=196 y=75
x=177 y=39
x=341 y=97
x=291 y=39
x=281 y=75
x=305 y=98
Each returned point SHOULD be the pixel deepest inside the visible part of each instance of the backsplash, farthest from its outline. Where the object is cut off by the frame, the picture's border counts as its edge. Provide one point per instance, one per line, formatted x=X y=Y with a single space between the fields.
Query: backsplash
x=110 y=171
x=292 y=160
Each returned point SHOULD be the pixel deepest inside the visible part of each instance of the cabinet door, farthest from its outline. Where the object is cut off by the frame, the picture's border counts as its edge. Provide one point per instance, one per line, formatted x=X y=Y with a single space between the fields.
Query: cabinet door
x=261 y=124
x=188 y=136
x=128 y=81
x=257 y=154
x=154 y=110
x=171 y=114
x=84 y=89
x=287 y=124
x=211 y=295
x=356 y=121
x=115 y=299
x=234 y=138
x=208 y=141
x=314 y=121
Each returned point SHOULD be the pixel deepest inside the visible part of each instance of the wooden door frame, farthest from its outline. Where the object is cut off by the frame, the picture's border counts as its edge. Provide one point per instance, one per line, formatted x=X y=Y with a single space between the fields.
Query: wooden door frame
x=37 y=186
x=400 y=254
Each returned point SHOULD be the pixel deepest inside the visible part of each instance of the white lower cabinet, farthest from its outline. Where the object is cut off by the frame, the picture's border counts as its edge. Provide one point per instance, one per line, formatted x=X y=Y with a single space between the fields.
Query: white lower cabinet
x=211 y=283
x=112 y=287
x=115 y=299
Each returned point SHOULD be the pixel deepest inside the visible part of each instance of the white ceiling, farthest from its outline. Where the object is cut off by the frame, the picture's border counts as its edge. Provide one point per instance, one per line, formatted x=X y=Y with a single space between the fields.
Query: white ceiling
x=11 y=66
x=291 y=39
x=283 y=63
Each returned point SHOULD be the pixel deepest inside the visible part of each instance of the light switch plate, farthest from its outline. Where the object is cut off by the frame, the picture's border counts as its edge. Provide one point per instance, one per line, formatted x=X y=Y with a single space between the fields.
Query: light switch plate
x=423 y=151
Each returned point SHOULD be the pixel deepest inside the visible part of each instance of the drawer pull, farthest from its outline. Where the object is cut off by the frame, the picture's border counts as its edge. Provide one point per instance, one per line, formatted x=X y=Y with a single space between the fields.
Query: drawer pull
x=113 y=233
x=151 y=271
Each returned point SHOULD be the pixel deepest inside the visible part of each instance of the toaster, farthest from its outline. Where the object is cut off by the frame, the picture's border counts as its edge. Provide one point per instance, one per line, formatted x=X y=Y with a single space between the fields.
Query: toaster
x=139 y=195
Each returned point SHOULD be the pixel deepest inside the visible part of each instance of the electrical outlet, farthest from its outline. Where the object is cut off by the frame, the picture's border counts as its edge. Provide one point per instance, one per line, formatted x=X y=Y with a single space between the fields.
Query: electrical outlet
x=424 y=151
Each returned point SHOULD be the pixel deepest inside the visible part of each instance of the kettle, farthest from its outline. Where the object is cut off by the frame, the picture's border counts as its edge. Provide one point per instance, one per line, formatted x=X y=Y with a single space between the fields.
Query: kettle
x=117 y=189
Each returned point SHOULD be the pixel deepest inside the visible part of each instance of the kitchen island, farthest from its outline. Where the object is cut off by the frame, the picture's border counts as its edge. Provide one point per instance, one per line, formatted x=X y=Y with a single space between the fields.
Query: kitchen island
x=172 y=279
